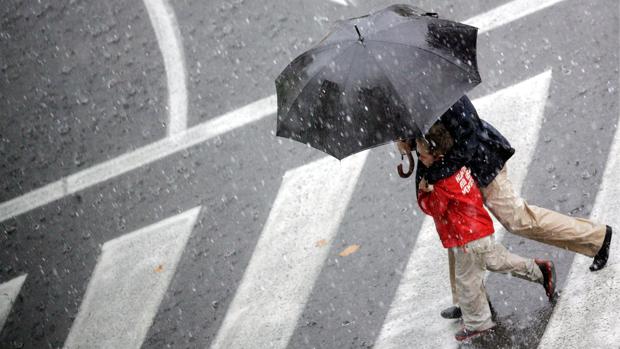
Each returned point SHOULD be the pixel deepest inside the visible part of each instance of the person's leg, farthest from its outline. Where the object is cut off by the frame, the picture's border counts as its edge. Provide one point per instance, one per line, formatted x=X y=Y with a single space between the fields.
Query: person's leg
x=497 y=258
x=452 y=312
x=540 y=224
x=469 y=272
x=455 y=298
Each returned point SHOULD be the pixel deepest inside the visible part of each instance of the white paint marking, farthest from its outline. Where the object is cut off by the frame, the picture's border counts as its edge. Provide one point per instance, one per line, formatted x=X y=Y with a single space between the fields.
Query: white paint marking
x=8 y=292
x=225 y=123
x=279 y=278
x=517 y=112
x=138 y=158
x=340 y=2
x=507 y=13
x=130 y=280
x=586 y=315
x=169 y=39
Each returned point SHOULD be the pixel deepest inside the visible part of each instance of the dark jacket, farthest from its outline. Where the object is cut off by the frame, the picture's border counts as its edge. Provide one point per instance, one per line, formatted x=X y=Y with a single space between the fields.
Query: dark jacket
x=477 y=145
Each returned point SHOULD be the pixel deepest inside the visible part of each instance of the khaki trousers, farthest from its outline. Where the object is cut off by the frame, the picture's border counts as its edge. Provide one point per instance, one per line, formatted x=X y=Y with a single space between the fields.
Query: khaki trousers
x=532 y=222
x=470 y=265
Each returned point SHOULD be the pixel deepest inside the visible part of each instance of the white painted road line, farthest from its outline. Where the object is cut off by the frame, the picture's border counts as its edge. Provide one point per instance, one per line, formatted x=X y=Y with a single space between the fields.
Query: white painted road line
x=587 y=312
x=202 y=132
x=286 y=261
x=507 y=13
x=169 y=39
x=517 y=112
x=340 y=2
x=138 y=158
x=130 y=280
x=8 y=292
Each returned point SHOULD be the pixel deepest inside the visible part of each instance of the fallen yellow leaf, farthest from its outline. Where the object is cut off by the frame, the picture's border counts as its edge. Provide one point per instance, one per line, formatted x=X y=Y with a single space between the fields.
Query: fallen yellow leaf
x=349 y=250
x=321 y=243
x=159 y=268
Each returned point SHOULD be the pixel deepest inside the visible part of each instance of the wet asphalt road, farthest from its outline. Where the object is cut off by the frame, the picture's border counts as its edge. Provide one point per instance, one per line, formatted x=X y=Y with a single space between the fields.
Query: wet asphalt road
x=82 y=82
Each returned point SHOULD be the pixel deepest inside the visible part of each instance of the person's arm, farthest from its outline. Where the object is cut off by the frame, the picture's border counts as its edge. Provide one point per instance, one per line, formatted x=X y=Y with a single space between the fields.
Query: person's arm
x=419 y=174
x=433 y=203
x=461 y=121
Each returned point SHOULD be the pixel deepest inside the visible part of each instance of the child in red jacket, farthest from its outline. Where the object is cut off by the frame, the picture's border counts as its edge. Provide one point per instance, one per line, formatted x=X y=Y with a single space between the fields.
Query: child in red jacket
x=455 y=203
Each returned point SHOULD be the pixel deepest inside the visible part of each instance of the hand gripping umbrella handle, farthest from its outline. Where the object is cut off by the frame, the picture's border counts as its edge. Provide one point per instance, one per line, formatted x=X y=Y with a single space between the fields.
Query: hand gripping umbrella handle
x=410 y=171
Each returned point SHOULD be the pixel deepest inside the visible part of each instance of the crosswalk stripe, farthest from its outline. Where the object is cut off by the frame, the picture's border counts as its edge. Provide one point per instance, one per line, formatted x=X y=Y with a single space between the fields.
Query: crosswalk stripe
x=8 y=292
x=340 y=2
x=129 y=281
x=587 y=312
x=286 y=261
x=507 y=13
x=517 y=112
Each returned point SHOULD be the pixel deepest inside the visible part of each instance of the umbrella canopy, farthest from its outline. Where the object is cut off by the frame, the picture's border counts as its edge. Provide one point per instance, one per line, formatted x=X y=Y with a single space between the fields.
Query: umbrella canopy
x=374 y=79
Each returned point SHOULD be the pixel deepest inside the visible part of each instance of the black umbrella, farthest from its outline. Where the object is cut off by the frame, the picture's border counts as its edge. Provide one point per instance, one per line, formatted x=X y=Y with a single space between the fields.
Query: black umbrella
x=374 y=79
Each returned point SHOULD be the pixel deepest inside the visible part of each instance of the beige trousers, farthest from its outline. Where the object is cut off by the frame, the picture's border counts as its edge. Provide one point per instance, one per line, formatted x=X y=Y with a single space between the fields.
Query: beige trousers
x=532 y=222
x=470 y=265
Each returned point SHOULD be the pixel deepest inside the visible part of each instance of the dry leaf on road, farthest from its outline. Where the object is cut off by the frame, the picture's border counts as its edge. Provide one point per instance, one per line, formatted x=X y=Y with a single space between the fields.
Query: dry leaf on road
x=159 y=268
x=349 y=250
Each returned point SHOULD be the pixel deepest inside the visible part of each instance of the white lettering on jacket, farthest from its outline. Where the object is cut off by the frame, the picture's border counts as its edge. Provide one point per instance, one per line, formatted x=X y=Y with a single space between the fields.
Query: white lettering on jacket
x=465 y=180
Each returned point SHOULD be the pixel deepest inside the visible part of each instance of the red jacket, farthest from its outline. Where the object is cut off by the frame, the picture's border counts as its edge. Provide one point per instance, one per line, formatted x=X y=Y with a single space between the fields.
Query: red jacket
x=456 y=206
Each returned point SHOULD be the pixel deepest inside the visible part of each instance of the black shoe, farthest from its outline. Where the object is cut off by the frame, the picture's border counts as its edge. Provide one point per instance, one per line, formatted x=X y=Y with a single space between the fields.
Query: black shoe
x=452 y=312
x=548 y=270
x=603 y=254
x=464 y=333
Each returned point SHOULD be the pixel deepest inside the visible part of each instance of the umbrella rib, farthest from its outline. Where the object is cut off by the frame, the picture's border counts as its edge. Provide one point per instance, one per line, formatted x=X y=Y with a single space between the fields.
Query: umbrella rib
x=425 y=50
x=314 y=76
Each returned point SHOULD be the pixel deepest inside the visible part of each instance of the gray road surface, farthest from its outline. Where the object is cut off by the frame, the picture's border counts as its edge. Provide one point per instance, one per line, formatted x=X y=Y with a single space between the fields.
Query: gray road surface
x=83 y=82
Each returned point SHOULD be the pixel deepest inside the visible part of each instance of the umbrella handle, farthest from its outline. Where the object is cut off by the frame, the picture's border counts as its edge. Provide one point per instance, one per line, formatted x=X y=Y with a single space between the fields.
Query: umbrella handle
x=410 y=171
